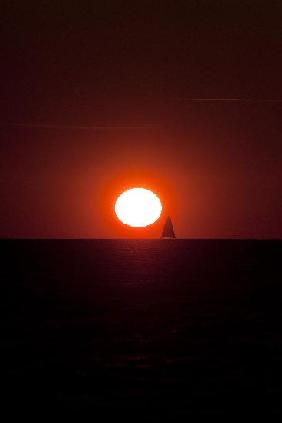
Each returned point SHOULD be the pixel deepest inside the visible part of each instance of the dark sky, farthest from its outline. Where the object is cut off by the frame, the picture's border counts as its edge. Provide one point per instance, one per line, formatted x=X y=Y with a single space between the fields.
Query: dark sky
x=112 y=95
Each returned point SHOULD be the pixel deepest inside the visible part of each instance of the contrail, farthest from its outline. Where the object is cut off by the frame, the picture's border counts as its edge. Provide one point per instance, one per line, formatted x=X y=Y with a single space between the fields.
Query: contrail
x=82 y=127
x=243 y=100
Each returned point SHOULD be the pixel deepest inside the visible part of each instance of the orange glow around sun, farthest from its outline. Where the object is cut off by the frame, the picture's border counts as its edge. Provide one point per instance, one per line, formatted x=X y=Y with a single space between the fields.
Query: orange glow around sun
x=138 y=207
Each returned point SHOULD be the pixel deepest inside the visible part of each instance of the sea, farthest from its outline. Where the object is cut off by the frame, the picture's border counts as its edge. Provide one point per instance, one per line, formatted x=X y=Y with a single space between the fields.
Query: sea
x=142 y=330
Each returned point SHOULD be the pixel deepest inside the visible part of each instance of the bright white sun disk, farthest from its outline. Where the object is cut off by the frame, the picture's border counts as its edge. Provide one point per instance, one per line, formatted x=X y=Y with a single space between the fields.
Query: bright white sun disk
x=138 y=207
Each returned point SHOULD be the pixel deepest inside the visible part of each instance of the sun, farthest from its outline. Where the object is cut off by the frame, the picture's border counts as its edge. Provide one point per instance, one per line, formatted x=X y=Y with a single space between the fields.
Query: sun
x=138 y=207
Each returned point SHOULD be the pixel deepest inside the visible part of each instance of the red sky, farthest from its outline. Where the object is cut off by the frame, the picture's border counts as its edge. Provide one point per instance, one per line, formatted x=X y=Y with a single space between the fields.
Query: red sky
x=217 y=165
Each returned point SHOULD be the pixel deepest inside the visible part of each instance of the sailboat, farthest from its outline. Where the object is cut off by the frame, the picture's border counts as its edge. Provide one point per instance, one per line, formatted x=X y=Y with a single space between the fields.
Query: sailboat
x=168 y=232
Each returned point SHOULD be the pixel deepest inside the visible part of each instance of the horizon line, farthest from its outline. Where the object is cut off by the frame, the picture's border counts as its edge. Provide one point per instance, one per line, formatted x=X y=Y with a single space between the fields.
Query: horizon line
x=141 y=239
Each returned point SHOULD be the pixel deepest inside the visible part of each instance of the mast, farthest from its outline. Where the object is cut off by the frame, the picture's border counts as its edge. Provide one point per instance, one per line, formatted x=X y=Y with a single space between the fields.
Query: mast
x=168 y=231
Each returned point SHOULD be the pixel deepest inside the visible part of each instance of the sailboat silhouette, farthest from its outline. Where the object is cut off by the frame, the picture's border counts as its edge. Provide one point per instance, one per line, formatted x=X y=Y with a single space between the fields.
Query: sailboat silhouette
x=168 y=232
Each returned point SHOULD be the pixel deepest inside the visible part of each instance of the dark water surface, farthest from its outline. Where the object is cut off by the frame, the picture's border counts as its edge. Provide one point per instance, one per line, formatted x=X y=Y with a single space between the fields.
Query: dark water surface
x=144 y=329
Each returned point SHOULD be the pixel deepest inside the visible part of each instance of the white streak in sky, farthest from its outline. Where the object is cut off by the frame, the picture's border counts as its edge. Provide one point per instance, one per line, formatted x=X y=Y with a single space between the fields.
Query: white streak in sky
x=86 y=127
x=243 y=100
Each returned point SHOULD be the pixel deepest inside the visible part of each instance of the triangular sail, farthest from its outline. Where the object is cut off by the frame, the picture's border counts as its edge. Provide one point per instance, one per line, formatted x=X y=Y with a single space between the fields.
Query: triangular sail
x=168 y=231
